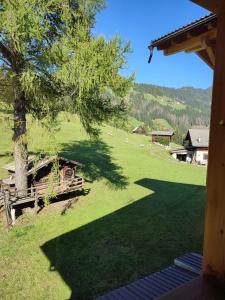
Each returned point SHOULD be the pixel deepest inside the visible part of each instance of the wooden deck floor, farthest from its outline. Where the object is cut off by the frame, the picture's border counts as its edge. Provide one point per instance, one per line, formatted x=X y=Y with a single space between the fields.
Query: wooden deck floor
x=197 y=289
x=180 y=281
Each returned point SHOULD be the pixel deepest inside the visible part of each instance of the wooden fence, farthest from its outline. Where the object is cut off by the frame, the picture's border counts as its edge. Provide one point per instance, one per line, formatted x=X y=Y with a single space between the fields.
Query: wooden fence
x=11 y=197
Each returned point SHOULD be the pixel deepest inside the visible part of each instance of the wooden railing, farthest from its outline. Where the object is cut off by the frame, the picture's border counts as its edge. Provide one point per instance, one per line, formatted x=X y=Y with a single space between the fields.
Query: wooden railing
x=11 y=197
x=45 y=188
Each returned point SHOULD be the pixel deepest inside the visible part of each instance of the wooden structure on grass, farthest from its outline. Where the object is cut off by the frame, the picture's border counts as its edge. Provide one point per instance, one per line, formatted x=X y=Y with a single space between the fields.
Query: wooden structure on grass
x=48 y=177
x=139 y=130
x=162 y=136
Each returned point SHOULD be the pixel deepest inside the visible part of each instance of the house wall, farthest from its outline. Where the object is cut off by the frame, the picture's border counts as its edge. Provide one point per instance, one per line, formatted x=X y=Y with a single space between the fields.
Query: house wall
x=201 y=156
x=174 y=155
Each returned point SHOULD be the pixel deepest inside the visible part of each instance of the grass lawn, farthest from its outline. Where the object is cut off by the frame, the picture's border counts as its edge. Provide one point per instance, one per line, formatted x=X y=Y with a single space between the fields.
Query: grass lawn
x=142 y=210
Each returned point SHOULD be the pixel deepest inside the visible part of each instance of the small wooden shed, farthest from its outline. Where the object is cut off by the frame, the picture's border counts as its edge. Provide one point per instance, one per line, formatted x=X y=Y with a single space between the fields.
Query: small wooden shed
x=162 y=136
x=55 y=175
x=139 y=130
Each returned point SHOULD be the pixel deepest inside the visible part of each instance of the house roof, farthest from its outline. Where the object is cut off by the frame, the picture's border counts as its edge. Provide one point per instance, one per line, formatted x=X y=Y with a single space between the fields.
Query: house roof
x=198 y=36
x=163 y=133
x=40 y=164
x=138 y=127
x=202 y=22
x=199 y=137
x=179 y=151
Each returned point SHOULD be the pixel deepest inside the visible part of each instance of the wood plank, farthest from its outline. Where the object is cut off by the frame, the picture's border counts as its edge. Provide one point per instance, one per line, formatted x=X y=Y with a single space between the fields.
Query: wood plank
x=210 y=46
x=190 y=43
x=205 y=57
x=211 y=5
x=211 y=55
x=22 y=201
x=199 y=288
x=214 y=240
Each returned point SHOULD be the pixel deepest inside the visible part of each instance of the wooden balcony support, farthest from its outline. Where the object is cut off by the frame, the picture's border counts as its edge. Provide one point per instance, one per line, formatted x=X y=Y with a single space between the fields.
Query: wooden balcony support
x=214 y=240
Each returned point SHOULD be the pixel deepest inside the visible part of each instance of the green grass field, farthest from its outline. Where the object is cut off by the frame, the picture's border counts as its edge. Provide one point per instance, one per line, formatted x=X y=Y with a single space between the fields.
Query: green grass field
x=143 y=209
x=166 y=101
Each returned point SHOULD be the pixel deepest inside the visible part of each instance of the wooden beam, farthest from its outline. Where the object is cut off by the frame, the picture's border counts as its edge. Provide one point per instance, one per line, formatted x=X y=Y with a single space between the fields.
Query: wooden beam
x=214 y=239
x=191 y=42
x=212 y=5
x=195 y=49
x=210 y=49
x=205 y=57
x=211 y=55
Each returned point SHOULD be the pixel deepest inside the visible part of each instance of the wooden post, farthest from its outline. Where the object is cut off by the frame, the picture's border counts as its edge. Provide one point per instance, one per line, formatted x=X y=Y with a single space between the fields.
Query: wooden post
x=6 y=204
x=36 y=202
x=13 y=215
x=214 y=240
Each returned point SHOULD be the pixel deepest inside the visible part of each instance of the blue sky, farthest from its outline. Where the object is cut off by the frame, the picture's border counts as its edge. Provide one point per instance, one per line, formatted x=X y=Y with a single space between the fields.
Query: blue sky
x=140 y=21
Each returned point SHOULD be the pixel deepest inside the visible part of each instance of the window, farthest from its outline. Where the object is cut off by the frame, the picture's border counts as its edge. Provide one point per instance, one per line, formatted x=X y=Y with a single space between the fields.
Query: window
x=68 y=173
x=205 y=156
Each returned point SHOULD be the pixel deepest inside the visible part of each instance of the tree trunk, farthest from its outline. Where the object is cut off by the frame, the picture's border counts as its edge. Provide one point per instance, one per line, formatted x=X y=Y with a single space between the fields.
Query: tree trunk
x=20 y=142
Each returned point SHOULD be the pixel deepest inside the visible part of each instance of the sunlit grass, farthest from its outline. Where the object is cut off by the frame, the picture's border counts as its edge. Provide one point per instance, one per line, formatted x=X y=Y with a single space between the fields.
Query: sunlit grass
x=143 y=209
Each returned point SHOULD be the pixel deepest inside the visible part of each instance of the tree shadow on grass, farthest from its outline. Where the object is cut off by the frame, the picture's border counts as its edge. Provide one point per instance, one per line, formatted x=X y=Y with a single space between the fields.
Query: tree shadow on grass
x=132 y=242
x=96 y=160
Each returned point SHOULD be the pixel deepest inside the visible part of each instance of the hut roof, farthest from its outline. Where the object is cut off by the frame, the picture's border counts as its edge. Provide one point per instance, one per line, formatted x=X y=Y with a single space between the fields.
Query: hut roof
x=163 y=133
x=138 y=127
x=199 y=137
x=135 y=128
x=11 y=166
x=40 y=164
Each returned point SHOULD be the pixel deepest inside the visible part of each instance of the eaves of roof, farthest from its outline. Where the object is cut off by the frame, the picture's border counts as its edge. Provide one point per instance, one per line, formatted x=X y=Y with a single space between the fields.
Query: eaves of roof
x=202 y=21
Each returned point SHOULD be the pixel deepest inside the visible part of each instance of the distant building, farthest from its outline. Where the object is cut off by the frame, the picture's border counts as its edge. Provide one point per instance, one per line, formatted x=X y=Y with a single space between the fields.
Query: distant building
x=196 y=144
x=180 y=154
x=162 y=136
x=139 y=130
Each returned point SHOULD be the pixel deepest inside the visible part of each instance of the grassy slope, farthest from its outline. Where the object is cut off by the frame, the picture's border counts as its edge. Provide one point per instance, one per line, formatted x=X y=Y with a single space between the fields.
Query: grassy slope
x=143 y=209
x=166 y=101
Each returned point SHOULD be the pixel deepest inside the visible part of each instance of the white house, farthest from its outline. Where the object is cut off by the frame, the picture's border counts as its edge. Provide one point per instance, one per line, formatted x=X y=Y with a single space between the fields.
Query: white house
x=196 y=144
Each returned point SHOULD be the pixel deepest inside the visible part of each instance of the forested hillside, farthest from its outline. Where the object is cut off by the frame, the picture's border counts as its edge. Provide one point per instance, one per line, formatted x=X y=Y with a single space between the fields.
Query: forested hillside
x=163 y=108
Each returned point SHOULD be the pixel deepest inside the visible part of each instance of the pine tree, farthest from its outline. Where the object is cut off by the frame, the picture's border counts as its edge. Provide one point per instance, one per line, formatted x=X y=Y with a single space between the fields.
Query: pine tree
x=50 y=61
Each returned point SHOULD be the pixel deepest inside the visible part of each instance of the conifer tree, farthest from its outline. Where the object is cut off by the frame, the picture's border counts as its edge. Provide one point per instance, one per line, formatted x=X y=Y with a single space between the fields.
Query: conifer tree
x=51 y=62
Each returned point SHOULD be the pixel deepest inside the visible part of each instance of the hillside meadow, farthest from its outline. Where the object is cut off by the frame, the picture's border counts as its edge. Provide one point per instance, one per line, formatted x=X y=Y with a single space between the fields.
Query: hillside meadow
x=162 y=108
x=141 y=209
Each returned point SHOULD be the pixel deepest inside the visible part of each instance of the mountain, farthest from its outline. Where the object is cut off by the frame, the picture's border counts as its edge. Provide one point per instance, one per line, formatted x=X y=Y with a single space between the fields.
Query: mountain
x=169 y=108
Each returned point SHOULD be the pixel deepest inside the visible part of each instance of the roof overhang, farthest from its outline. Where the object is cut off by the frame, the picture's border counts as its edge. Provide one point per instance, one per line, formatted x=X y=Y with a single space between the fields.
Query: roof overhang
x=179 y=151
x=212 y=5
x=40 y=164
x=199 y=37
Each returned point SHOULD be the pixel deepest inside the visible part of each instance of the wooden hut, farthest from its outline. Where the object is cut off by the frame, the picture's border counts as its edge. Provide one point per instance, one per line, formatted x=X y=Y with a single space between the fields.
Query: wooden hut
x=49 y=176
x=139 y=130
x=163 y=136
x=40 y=173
